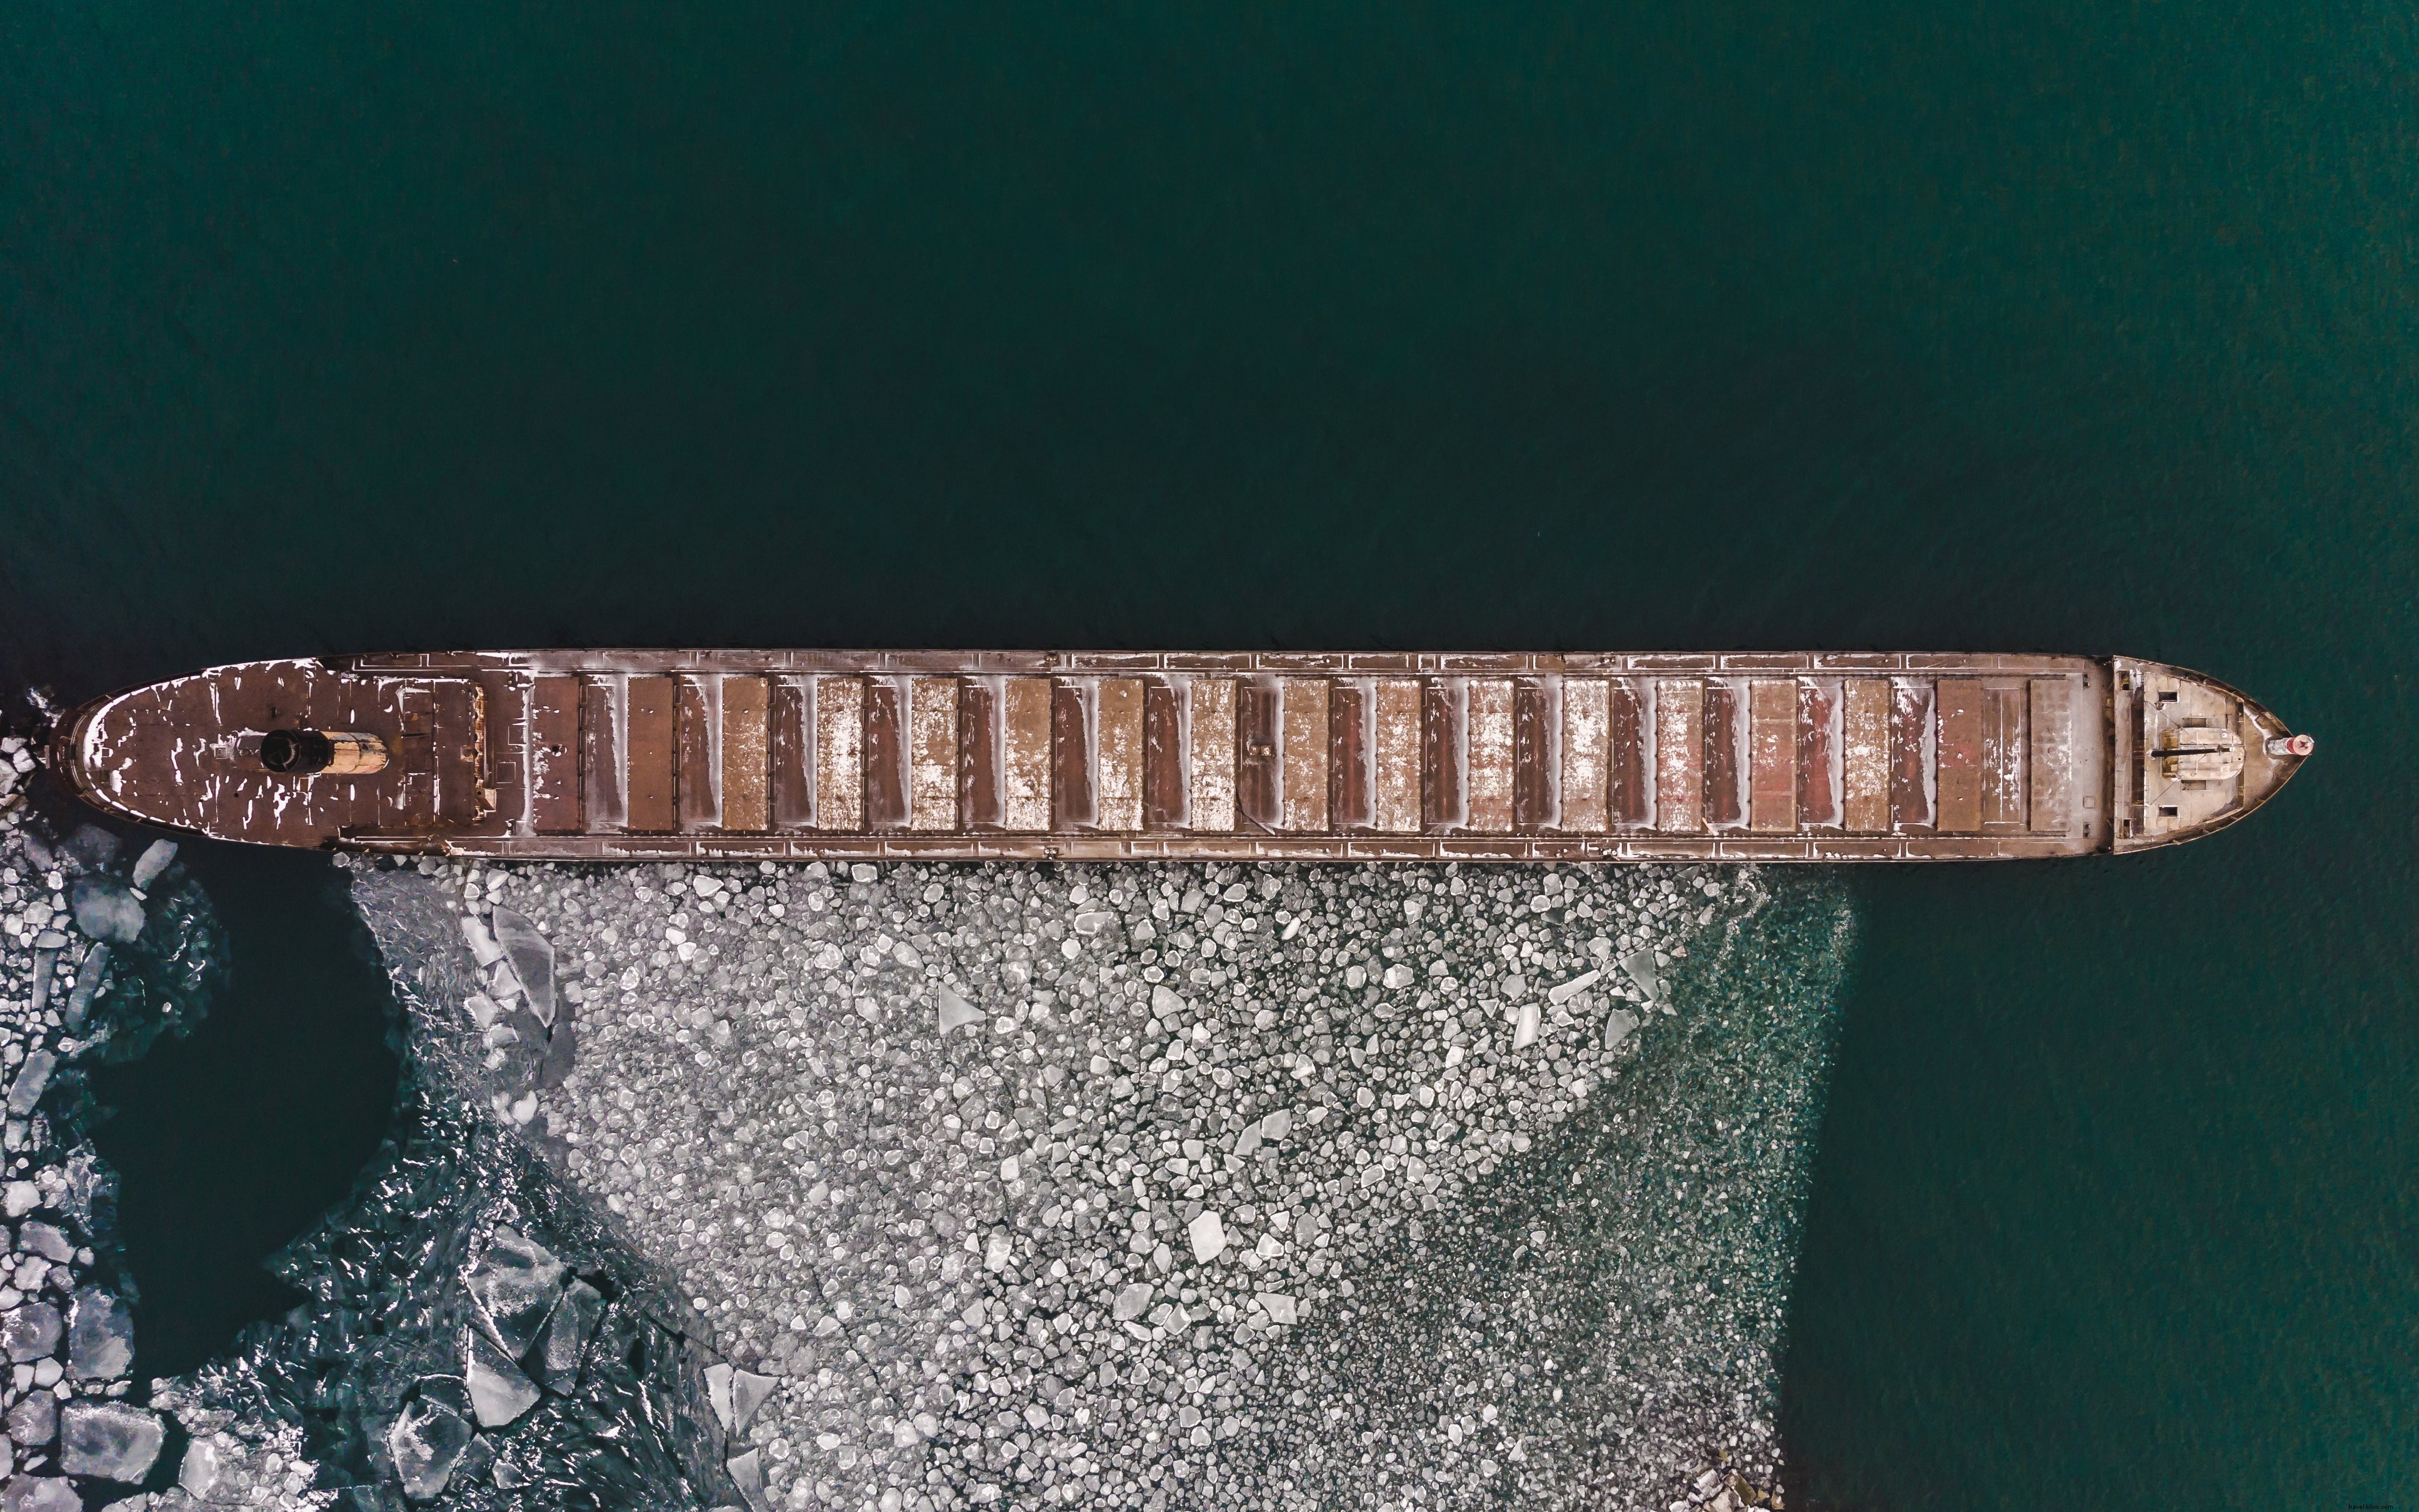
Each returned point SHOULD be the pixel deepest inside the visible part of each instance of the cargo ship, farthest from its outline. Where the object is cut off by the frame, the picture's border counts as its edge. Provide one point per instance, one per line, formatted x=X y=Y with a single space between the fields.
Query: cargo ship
x=601 y=755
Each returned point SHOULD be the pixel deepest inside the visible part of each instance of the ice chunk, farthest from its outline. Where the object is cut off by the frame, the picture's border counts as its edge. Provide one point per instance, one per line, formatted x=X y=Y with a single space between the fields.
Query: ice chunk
x=956 y=1012
x=499 y=1393
x=532 y=955
x=1275 y=1126
x=1278 y=1305
x=89 y=977
x=1639 y=964
x=1209 y=1236
x=749 y=1392
x=1564 y=992
x=426 y=1440
x=34 y=1421
x=1618 y=1025
x=1398 y=977
x=483 y=949
x=20 y=1197
x=1249 y=1140
x=30 y=1331
x=515 y=1284
x=1165 y=1004
x=49 y=1240
x=1133 y=1301
x=567 y=1328
x=31 y=1077
x=717 y=1393
x=747 y=1473
x=40 y=1493
x=100 y=1335
x=996 y=1252
x=153 y=862
x=106 y=910
x=109 y=1441
x=1524 y=1026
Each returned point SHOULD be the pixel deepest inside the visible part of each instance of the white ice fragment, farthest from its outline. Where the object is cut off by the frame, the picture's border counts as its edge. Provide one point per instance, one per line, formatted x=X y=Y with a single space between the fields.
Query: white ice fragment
x=1010 y=1168
x=532 y=955
x=996 y=1252
x=863 y=872
x=153 y=862
x=956 y=1012
x=1165 y=1004
x=1641 y=967
x=20 y=1197
x=1277 y=1125
x=1618 y=1025
x=1209 y=1236
x=483 y=1009
x=1279 y=1306
x=1093 y=921
x=1398 y=977
x=717 y=1396
x=1524 y=1029
x=1132 y=1301
x=1249 y=1140
x=483 y=949
x=1564 y=992
x=1355 y=978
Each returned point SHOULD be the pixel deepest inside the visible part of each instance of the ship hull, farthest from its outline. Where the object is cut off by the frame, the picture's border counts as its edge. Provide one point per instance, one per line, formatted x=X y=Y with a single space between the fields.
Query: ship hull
x=796 y=755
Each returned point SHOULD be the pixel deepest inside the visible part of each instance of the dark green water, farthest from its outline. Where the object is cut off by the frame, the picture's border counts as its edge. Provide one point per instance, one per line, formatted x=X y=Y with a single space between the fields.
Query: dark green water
x=2083 y=328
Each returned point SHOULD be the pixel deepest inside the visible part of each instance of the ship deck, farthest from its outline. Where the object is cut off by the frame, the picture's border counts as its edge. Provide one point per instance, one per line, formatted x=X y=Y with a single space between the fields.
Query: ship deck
x=840 y=755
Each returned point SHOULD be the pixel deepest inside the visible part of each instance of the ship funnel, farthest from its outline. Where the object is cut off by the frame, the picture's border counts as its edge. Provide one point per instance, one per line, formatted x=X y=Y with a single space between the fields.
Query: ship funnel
x=337 y=753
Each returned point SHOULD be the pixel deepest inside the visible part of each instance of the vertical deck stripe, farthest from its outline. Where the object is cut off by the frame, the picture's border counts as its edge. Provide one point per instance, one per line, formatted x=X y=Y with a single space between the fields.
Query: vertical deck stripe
x=886 y=753
x=1490 y=755
x=1725 y=770
x=1865 y=754
x=1303 y=768
x=839 y=761
x=1533 y=776
x=1772 y=756
x=2052 y=756
x=1679 y=754
x=932 y=754
x=1257 y=800
x=553 y=764
x=1587 y=729
x=1025 y=754
x=746 y=803
x=1349 y=713
x=1117 y=736
x=700 y=795
x=649 y=782
x=1960 y=770
x=1629 y=794
x=1394 y=757
x=789 y=753
x=1818 y=753
x=1443 y=796
x=1164 y=795
x=2003 y=754
x=979 y=790
x=1071 y=755
x=1210 y=741
x=1912 y=742
x=601 y=744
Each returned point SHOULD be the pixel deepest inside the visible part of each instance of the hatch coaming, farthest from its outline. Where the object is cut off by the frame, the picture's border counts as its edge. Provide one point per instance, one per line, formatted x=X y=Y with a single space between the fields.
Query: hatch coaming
x=1780 y=756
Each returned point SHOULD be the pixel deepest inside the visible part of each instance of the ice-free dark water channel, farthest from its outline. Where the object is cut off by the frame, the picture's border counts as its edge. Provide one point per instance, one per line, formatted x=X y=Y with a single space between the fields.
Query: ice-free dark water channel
x=232 y=1141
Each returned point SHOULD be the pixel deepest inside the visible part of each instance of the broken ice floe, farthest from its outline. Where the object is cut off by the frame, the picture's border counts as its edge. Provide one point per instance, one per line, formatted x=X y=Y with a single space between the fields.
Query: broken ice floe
x=1110 y=1185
